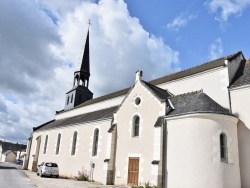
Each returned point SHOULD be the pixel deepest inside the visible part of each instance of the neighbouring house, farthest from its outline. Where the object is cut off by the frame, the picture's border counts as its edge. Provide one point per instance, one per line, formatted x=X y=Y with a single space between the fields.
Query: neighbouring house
x=187 y=129
x=8 y=156
x=21 y=154
x=18 y=149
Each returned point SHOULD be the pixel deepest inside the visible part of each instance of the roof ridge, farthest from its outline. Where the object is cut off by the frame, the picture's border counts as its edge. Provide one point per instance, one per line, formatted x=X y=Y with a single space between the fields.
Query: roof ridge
x=185 y=69
x=39 y=126
x=230 y=56
x=188 y=93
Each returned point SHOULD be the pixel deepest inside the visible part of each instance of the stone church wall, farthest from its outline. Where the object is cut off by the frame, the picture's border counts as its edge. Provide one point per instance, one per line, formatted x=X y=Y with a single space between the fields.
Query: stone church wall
x=147 y=146
x=69 y=165
x=213 y=82
x=241 y=107
x=193 y=152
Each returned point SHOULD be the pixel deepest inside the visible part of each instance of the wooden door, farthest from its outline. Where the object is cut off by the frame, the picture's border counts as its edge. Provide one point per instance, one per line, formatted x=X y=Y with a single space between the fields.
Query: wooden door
x=133 y=171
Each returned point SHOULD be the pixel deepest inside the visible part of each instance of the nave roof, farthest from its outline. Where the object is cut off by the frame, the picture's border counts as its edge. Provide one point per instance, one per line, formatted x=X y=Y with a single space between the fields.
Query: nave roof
x=83 y=118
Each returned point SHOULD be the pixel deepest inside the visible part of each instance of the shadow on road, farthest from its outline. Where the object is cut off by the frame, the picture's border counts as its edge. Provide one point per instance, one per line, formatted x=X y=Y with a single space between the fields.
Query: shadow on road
x=7 y=167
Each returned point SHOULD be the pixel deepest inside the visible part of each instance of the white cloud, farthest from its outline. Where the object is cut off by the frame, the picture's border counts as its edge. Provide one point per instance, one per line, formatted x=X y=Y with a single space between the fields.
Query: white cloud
x=216 y=49
x=226 y=8
x=121 y=43
x=180 y=21
x=46 y=39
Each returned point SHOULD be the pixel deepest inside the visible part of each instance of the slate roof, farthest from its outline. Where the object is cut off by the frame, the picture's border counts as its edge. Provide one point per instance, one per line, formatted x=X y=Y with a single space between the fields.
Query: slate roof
x=195 y=102
x=112 y=128
x=194 y=70
x=83 y=118
x=160 y=93
x=159 y=122
x=12 y=146
x=79 y=87
x=85 y=58
x=243 y=75
x=6 y=152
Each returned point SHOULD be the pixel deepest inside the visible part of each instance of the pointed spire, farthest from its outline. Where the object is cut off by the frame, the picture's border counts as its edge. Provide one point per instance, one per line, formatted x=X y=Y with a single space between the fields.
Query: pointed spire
x=85 y=58
x=80 y=92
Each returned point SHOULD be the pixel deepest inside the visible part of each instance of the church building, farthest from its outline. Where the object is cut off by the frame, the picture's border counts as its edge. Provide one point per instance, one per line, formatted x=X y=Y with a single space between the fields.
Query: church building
x=188 y=129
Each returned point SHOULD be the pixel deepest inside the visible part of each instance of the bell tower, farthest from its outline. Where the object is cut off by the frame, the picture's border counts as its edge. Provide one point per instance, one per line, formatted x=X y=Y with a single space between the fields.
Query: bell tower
x=80 y=92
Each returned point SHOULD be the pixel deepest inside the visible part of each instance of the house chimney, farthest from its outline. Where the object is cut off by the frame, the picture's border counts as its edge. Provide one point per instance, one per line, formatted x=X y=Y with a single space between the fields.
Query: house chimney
x=138 y=75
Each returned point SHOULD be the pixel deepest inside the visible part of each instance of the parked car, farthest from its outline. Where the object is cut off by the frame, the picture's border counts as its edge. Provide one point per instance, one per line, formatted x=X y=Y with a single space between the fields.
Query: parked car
x=48 y=169
x=19 y=161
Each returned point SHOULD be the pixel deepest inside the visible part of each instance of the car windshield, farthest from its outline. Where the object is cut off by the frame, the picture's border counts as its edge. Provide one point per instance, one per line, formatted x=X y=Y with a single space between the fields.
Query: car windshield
x=51 y=164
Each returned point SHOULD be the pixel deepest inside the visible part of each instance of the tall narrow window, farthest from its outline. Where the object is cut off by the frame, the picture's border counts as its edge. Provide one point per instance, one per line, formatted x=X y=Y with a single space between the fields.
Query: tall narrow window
x=95 y=142
x=58 y=143
x=223 y=147
x=73 y=150
x=45 y=144
x=67 y=100
x=71 y=98
x=136 y=126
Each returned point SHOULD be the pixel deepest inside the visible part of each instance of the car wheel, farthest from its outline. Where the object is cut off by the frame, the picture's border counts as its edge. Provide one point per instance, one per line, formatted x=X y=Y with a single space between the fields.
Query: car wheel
x=41 y=175
x=57 y=176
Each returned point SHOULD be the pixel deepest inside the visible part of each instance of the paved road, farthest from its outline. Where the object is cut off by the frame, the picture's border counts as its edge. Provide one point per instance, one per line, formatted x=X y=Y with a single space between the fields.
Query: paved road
x=11 y=176
x=46 y=182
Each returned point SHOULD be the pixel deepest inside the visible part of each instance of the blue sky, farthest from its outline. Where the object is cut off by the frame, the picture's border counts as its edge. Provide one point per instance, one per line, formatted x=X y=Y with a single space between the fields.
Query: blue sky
x=42 y=43
x=199 y=27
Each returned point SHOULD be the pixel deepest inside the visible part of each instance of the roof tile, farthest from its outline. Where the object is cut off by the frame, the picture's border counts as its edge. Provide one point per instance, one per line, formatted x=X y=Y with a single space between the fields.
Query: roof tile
x=83 y=118
x=195 y=102
x=243 y=75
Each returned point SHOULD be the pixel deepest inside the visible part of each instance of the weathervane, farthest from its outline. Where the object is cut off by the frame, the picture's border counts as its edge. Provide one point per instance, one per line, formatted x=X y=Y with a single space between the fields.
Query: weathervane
x=89 y=22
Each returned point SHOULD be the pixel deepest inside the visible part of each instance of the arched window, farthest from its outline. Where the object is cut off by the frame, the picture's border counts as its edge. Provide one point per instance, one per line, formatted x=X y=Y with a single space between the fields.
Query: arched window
x=223 y=147
x=95 y=142
x=58 y=143
x=45 y=144
x=76 y=80
x=136 y=126
x=73 y=150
